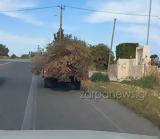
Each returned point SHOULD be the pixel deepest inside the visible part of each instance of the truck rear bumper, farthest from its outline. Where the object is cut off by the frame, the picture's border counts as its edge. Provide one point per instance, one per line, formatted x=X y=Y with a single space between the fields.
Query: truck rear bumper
x=54 y=83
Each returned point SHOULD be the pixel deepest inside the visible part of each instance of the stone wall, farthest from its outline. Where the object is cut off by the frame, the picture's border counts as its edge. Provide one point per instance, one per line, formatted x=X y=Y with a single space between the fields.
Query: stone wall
x=136 y=72
x=125 y=69
x=153 y=70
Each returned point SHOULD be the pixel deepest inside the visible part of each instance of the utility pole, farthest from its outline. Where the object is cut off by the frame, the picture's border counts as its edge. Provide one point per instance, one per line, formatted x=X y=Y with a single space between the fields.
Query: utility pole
x=60 y=28
x=110 y=52
x=149 y=22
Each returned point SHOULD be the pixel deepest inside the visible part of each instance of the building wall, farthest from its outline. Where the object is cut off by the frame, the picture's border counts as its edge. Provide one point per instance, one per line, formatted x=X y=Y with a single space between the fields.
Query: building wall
x=122 y=68
x=146 y=54
x=139 y=56
x=125 y=69
x=131 y=68
x=142 y=55
x=136 y=72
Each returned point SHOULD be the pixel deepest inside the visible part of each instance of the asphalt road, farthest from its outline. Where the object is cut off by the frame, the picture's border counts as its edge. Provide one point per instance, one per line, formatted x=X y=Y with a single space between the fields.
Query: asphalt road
x=15 y=79
x=25 y=104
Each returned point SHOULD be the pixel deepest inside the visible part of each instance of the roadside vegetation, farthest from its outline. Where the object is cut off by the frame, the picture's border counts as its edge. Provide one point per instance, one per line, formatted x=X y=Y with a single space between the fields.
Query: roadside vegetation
x=99 y=56
x=99 y=77
x=3 y=51
x=4 y=54
x=149 y=81
x=142 y=96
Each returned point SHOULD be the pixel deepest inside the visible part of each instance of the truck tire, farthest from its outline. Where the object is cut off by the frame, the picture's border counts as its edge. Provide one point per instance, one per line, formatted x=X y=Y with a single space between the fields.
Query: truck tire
x=77 y=85
x=45 y=84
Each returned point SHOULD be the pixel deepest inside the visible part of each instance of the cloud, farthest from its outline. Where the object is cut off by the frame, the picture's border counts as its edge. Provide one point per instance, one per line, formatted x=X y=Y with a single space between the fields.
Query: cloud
x=20 y=44
x=139 y=32
x=6 y=5
x=23 y=40
x=133 y=28
x=125 y=6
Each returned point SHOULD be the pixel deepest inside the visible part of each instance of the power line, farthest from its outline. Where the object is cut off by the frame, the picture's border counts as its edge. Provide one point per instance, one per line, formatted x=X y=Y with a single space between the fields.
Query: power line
x=82 y=9
x=29 y=9
x=110 y=12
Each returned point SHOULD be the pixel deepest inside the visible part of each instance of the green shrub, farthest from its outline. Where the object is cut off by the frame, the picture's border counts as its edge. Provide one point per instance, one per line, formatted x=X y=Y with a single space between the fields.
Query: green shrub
x=99 y=77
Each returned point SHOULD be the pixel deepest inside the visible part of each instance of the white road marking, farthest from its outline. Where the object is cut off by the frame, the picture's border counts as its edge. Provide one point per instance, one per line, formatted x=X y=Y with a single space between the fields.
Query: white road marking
x=16 y=60
x=29 y=120
x=6 y=63
x=106 y=117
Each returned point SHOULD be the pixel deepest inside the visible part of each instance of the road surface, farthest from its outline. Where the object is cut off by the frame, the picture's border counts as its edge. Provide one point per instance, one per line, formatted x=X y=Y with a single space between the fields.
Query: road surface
x=25 y=104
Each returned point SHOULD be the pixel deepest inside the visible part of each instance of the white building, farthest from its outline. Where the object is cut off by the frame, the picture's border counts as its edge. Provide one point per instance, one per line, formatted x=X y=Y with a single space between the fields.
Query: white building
x=131 y=68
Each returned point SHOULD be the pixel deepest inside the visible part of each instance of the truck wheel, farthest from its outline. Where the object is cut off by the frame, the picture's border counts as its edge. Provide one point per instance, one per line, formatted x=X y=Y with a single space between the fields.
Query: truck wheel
x=46 y=83
x=78 y=85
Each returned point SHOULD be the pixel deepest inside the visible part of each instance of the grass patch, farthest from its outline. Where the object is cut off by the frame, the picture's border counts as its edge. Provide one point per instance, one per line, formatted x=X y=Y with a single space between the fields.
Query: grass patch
x=4 y=57
x=149 y=82
x=145 y=102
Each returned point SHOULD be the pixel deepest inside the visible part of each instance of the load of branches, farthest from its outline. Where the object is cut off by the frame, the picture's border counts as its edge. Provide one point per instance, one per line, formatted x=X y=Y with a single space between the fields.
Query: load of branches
x=64 y=58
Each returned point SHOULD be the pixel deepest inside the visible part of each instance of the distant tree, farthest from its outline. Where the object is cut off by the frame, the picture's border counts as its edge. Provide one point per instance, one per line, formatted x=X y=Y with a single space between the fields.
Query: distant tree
x=13 y=56
x=126 y=50
x=32 y=54
x=25 y=56
x=154 y=59
x=100 y=55
x=3 y=50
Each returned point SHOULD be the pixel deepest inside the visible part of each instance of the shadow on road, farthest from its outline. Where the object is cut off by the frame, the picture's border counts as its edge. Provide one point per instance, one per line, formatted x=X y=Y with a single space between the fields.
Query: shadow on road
x=60 y=86
x=2 y=80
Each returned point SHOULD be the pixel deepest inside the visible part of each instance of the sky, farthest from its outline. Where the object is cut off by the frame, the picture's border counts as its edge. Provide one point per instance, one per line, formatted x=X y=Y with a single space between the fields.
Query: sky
x=23 y=31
